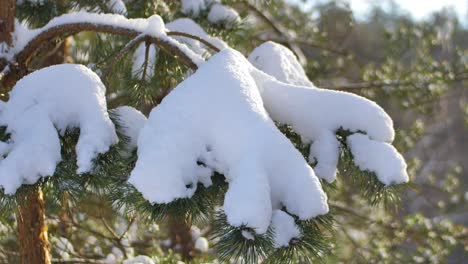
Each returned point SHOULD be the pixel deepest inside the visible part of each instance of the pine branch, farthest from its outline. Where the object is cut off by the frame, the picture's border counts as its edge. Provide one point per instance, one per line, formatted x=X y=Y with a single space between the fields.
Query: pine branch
x=381 y=84
x=18 y=67
x=183 y=34
x=122 y=53
x=73 y=28
x=278 y=28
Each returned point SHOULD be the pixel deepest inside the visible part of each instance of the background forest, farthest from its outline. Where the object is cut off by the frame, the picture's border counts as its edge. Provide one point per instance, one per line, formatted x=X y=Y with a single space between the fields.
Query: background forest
x=417 y=71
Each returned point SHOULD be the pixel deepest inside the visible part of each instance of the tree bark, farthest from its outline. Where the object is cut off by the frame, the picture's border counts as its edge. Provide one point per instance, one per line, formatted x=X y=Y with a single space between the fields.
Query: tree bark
x=30 y=214
x=32 y=230
x=7 y=20
x=181 y=237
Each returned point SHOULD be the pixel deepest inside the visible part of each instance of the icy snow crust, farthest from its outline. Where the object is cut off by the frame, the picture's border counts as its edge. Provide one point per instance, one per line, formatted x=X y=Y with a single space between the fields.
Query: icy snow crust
x=54 y=98
x=316 y=114
x=216 y=116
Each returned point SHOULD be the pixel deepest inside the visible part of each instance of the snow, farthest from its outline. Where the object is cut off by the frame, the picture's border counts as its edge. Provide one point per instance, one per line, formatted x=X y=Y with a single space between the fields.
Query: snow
x=379 y=157
x=284 y=229
x=138 y=61
x=218 y=114
x=139 y=260
x=117 y=6
x=223 y=14
x=54 y=98
x=201 y=244
x=247 y=235
x=189 y=26
x=280 y=62
x=193 y=7
x=316 y=114
x=131 y=121
x=153 y=26
x=4 y=149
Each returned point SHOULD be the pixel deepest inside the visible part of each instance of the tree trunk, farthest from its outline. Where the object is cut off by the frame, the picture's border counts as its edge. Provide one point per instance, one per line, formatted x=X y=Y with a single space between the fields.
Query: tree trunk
x=30 y=214
x=7 y=20
x=32 y=231
x=181 y=237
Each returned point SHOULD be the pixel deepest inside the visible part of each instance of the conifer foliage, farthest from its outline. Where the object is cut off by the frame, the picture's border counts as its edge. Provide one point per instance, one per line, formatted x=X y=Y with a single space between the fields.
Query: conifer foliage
x=164 y=114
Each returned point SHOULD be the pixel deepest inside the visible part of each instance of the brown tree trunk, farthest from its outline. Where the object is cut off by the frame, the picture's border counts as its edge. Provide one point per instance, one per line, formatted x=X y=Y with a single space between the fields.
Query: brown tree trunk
x=30 y=214
x=181 y=237
x=32 y=230
x=7 y=20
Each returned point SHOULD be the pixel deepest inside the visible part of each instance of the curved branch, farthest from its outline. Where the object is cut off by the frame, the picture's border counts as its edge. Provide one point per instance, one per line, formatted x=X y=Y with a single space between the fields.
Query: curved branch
x=278 y=28
x=29 y=50
x=122 y=53
x=205 y=42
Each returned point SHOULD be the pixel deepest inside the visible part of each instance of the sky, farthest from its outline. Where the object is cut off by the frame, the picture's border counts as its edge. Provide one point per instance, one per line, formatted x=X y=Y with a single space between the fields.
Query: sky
x=418 y=9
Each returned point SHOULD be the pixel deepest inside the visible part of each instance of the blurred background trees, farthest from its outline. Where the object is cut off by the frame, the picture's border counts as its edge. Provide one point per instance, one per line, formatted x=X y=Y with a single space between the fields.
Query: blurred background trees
x=418 y=72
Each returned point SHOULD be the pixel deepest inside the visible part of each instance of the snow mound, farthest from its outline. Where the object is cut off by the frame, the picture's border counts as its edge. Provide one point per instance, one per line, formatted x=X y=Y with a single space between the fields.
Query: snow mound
x=138 y=61
x=131 y=121
x=117 y=6
x=223 y=14
x=54 y=98
x=379 y=157
x=189 y=26
x=280 y=62
x=216 y=117
x=193 y=7
x=316 y=114
x=201 y=244
x=284 y=229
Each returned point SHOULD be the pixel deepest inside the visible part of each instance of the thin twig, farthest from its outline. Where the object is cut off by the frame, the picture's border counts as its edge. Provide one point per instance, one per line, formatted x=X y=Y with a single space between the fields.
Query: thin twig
x=278 y=28
x=205 y=42
x=380 y=84
x=122 y=53
x=145 y=65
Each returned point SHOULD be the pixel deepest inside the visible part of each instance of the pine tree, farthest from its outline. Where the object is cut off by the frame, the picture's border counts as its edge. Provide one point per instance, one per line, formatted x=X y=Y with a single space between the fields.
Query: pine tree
x=138 y=63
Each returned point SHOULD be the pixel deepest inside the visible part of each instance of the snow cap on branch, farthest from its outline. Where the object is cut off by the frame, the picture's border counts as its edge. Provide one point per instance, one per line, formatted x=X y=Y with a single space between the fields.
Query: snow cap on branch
x=55 y=98
x=284 y=229
x=193 y=7
x=153 y=26
x=223 y=14
x=378 y=157
x=280 y=62
x=317 y=114
x=131 y=121
x=117 y=6
x=216 y=117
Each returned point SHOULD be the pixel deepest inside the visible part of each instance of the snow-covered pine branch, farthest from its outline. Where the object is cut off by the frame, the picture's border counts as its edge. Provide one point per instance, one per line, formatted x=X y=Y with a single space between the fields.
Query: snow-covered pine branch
x=317 y=114
x=27 y=41
x=245 y=151
x=217 y=117
x=220 y=119
x=54 y=98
